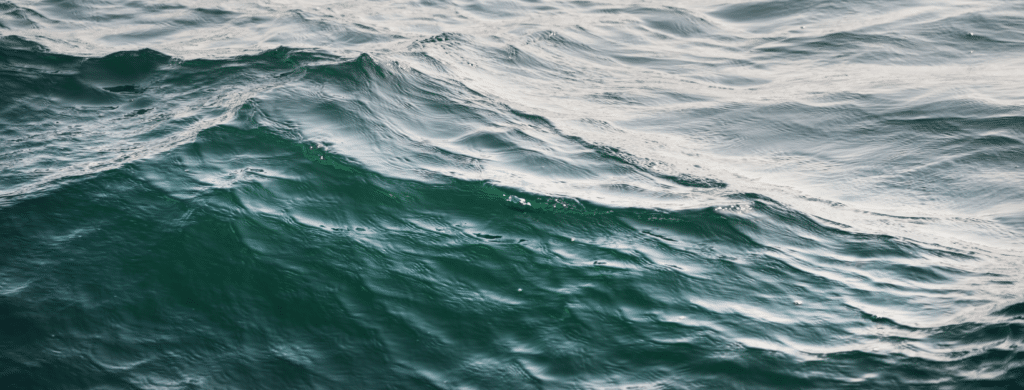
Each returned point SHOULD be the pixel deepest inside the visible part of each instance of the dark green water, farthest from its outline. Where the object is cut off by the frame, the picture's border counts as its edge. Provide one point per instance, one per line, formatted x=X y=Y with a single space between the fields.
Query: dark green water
x=506 y=195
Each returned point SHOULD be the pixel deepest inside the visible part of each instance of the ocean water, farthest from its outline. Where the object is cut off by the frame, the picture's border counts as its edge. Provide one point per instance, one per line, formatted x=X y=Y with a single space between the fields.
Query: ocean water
x=511 y=194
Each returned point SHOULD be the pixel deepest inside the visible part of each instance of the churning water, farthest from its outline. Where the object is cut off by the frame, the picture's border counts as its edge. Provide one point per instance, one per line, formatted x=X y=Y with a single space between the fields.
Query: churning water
x=461 y=194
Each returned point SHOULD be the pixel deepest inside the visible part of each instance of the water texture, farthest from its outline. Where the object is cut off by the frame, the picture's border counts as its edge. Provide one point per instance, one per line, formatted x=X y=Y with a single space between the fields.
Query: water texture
x=511 y=195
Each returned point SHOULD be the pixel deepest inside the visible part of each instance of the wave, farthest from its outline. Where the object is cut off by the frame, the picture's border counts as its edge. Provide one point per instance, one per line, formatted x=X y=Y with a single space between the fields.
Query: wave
x=333 y=265
x=634 y=196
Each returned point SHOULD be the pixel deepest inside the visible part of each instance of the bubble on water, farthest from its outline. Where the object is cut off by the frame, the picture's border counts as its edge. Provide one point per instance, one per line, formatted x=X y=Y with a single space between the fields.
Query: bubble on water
x=516 y=199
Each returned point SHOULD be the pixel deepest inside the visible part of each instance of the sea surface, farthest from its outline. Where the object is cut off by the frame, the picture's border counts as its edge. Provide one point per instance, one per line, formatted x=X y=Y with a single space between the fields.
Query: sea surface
x=511 y=194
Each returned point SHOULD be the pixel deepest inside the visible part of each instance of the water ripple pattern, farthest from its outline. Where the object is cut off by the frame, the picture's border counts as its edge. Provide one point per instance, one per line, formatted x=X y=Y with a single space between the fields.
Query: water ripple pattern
x=511 y=194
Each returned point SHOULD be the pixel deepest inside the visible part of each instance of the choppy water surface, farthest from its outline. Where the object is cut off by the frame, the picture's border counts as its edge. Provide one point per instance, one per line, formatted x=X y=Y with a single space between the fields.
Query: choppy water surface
x=511 y=194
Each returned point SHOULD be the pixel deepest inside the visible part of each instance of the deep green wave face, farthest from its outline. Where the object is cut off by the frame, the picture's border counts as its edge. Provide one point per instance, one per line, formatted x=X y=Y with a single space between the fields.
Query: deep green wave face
x=453 y=195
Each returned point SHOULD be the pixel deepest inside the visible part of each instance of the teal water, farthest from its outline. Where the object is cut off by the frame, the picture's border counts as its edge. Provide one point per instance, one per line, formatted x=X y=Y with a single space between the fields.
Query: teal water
x=511 y=194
